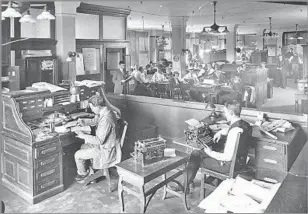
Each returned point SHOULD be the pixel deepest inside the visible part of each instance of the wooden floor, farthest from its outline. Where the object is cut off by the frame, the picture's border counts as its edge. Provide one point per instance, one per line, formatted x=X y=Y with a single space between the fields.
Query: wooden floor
x=96 y=198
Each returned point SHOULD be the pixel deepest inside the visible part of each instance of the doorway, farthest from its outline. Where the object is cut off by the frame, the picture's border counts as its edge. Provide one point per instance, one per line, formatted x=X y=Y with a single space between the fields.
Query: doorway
x=113 y=57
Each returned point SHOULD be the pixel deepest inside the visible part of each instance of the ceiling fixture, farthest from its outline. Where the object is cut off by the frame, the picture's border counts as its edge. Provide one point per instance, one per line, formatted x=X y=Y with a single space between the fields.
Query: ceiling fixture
x=27 y=18
x=214 y=29
x=270 y=34
x=10 y=12
x=296 y=35
x=46 y=15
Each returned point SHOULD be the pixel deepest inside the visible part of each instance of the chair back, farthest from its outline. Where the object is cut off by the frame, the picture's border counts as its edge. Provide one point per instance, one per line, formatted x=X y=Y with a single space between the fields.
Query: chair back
x=237 y=131
x=123 y=128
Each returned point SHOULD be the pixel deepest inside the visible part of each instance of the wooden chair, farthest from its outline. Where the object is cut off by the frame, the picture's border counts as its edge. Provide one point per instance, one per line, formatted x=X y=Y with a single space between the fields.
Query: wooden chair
x=105 y=172
x=221 y=176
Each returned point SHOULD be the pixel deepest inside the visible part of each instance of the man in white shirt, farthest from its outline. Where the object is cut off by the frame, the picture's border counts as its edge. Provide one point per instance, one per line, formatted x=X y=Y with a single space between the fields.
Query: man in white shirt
x=158 y=76
x=221 y=161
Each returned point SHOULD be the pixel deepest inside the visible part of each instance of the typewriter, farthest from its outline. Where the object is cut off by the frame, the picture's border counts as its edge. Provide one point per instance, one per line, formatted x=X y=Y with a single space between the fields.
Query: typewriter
x=150 y=150
x=199 y=135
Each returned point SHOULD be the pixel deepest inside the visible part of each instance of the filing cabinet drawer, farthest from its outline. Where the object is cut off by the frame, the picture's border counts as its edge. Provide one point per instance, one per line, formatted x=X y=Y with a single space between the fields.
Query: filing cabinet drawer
x=270 y=162
x=48 y=162
x=270 y=175
x=47 y=173
x=263 y=146
x=47 y=185
x=47 y=150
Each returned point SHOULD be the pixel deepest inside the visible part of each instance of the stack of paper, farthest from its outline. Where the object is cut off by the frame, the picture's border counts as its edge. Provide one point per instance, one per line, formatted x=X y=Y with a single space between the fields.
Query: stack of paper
x=240 y=196
x=89 y=83
x=47 y=86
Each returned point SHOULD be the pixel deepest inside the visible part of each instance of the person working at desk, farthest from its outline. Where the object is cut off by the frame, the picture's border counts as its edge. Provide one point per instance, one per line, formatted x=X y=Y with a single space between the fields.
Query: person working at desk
x=104 y=148
x=221 y=161
x=158 y=76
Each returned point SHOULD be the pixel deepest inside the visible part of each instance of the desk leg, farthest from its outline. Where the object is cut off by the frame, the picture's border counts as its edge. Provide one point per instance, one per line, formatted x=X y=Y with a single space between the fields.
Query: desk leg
x=296 y=106
x=186 y=186
x=142 y=198
x=120 y=192
x=165 y=187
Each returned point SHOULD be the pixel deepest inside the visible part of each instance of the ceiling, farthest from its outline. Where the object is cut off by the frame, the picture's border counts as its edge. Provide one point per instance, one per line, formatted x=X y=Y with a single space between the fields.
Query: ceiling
x=251 y=15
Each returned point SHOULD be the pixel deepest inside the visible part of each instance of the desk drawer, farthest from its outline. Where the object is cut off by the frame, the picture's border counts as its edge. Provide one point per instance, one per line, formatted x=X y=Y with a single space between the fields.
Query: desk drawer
x=48 y=162
x=47 y=185
x=47 y=150
x=47 y=174
x=270 y=175
x=270 y=162
x=264 y=146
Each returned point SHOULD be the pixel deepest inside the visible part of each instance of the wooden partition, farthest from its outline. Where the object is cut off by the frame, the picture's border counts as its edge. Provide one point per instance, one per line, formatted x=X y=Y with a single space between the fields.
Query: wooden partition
x=169 y=116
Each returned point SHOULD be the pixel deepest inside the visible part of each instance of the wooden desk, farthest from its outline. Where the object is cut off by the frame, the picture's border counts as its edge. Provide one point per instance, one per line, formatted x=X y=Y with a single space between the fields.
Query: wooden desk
x=291 y=197
x=273 y=158
x=133 y=173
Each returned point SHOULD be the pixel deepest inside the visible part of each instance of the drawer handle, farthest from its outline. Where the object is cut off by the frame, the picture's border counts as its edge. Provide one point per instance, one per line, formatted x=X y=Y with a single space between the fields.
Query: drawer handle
x=270 y=180
x=48 y=184
x=24 y=102
x=48 y=173
x=32 y=106
x=43 y=163
x=270 y=161
x=32 y=101
x=270 y=148
x=44 y=152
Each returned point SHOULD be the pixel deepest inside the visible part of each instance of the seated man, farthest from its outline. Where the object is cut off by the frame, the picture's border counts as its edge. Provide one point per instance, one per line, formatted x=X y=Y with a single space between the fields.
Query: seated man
x=104 y=148
x=158 y=76
x=221 y=161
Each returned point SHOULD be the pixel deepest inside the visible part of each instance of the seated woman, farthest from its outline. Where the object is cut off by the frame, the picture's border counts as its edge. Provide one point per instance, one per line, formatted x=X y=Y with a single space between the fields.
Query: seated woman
x=158 y=76
x=104 y=148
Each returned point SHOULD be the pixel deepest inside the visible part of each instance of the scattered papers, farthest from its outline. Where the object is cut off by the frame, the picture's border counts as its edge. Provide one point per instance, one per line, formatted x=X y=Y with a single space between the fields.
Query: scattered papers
x=47 y=86
x=89 y=83
x=61 y=129
x=169 y=152
x=240 y=196
x=71 y=124
x=84 y=129
x=80 y=114
x=193 y=122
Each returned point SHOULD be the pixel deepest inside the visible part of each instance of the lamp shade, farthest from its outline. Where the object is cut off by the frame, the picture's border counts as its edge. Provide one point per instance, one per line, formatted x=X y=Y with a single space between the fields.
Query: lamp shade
x=46 y=15
x=225 y=31
x=11 y=12
x=27 y=18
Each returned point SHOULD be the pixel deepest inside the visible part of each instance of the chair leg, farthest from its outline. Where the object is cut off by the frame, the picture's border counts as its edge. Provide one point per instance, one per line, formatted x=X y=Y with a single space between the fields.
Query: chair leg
x=202 y=186
x=106 y=172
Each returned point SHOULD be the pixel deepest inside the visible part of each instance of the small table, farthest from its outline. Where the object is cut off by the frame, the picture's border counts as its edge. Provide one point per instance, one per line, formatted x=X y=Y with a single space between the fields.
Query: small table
x=133 y=173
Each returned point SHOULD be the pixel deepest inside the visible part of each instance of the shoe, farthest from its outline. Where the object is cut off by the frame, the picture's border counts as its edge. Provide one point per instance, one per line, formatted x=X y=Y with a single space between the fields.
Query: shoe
x=81 y=178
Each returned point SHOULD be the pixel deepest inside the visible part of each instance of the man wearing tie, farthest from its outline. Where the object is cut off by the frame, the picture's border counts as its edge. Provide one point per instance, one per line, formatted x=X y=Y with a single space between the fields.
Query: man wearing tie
x=118 y=79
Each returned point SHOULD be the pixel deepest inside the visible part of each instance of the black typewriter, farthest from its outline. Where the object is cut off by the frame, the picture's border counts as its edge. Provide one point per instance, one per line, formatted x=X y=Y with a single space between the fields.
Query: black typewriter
x=199 y=136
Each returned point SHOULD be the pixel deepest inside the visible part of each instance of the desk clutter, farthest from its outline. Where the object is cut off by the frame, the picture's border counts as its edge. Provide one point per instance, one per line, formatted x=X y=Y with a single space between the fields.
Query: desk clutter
x=240 y=196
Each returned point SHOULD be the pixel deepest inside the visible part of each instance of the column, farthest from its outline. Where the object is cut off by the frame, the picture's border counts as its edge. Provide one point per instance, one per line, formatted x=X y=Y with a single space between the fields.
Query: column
x=178 y=25
x=65 y=35
x=152 y=46
x=259 y=39
x=231 y=43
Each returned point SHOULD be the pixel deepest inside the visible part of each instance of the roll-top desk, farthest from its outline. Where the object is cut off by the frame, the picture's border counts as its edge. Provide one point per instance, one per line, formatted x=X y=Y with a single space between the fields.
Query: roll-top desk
x=32 y=168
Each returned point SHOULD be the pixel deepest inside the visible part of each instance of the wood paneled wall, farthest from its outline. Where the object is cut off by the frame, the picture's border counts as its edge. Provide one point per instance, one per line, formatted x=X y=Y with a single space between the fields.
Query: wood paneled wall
x=139 y=48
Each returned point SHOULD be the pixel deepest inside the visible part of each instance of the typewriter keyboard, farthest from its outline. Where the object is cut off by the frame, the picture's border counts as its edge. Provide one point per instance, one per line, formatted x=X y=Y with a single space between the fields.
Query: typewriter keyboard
x=206 y=140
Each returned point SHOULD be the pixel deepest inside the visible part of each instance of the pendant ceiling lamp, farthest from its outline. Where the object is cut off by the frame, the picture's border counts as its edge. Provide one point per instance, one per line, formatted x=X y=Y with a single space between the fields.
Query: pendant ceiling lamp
x=10 y=12
x=214 y=29
x=27 y=18
x=296 y=35
x=46 y=15
x=270 y=34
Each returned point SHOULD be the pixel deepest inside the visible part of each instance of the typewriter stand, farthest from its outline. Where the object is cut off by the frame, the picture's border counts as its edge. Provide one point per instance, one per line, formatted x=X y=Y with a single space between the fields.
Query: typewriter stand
x=134 y=174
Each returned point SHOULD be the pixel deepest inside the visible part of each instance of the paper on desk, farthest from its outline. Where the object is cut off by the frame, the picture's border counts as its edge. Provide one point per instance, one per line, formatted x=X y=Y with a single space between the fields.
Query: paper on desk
x=47 y=86
x=169 y=152
x=212 y=201
x=71 y=124
x=89 y=83
x=85 y=129
x=192 y=122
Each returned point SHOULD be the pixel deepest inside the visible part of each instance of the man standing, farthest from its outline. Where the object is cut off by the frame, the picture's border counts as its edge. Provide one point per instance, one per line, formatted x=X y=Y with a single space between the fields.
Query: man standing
x=118 y=77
